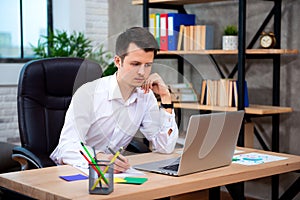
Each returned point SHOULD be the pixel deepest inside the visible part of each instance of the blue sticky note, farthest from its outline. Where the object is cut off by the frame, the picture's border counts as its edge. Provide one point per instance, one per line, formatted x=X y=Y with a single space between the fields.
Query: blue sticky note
x=74 y=177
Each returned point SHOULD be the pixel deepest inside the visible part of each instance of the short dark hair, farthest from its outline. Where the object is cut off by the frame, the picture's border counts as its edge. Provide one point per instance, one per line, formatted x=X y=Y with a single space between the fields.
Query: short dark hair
x=140 y=36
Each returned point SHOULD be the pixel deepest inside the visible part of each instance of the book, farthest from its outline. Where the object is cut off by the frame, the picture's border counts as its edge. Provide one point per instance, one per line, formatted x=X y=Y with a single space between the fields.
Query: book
x=186 y=38
x=191 y=38
x=197 y=38
x=180 y=35
x=175 y=20
x=183 y=92
x=203 y=93
x=206 y=37
x=164 y=31
x=236 y=91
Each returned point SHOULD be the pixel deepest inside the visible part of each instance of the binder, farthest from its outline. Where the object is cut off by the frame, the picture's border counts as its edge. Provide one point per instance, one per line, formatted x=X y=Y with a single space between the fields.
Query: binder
x=152 y=24
x=164 y=31
x=174 y=22
x=157 y=28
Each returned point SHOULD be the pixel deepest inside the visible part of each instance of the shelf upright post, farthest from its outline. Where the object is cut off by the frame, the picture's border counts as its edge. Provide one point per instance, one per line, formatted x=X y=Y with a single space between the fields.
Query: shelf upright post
x=276 y=92
x=241 y=63
x=240 y=187
x=276 y=75
x=146 y=13
x=146 y=24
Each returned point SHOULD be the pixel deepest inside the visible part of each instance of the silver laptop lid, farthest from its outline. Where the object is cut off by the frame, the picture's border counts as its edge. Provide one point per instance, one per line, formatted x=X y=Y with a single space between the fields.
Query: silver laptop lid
x=210 y=141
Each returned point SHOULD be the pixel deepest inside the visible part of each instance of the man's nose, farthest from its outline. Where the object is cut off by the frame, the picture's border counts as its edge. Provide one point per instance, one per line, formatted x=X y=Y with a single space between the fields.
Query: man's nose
x=141 y=70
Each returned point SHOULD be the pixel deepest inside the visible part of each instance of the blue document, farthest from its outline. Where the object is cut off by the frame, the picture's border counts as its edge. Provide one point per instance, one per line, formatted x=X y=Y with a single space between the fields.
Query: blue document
x=174 y=22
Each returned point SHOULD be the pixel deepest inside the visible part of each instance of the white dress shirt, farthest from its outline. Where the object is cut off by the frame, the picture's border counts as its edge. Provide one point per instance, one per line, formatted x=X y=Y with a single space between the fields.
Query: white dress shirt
x=99 y=117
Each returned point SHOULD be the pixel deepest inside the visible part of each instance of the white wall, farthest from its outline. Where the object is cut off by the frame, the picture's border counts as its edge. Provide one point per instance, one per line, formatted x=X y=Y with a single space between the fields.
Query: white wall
x=9 y=73
x=69 y=15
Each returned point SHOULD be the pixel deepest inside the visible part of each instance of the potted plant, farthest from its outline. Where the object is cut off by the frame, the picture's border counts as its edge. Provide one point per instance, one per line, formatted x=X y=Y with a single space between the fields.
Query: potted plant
x=62 y=44
x=230 y=38
x=75 y=44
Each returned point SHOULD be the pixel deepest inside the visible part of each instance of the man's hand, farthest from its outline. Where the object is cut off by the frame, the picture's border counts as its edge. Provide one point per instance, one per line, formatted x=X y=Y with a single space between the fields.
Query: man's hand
x=119 y=166
x=158 y=86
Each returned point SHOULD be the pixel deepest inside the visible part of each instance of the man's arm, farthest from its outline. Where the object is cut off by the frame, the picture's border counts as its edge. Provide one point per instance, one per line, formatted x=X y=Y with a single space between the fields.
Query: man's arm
x=165 y=140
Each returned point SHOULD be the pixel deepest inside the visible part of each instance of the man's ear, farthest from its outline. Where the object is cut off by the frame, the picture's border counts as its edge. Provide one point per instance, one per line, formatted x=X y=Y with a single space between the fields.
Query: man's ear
x=117 y=61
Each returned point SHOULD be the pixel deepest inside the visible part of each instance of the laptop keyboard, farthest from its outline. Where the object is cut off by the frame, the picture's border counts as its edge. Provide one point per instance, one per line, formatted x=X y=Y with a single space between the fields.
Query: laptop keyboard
x=171 y=167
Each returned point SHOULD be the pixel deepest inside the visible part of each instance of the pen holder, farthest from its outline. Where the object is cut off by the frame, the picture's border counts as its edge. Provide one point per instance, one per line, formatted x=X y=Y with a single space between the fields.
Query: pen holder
x=97 y=185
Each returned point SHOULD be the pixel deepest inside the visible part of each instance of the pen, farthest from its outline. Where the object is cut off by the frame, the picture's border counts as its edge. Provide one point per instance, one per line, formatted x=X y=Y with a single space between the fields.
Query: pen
x=235 y=159
x=90 y=162
x=94 y=162
x=113 y=159
x=107 y=167
x=111 y=151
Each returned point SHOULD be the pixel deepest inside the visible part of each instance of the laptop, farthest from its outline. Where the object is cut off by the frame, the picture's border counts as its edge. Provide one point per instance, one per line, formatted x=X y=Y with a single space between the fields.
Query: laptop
x=210 y=143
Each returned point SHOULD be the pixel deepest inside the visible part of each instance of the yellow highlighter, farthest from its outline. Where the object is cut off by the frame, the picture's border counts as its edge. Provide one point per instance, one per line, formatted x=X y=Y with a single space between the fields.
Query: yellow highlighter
x=107 y=167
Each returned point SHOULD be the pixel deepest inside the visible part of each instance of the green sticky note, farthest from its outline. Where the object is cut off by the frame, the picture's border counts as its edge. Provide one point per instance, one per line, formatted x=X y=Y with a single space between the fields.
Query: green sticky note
x=135 y=180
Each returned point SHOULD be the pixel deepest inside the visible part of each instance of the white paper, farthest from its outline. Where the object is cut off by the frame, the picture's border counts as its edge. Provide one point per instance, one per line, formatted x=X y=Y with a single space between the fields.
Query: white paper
x=255 y=158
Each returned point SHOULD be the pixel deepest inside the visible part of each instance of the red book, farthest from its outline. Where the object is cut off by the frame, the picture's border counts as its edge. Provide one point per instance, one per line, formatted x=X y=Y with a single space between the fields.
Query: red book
x=164 y=31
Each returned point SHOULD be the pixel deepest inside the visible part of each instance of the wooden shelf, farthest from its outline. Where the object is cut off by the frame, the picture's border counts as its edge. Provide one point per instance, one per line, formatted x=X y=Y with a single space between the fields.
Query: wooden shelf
x=176 y=2
x=233 y=52
x=252 y=109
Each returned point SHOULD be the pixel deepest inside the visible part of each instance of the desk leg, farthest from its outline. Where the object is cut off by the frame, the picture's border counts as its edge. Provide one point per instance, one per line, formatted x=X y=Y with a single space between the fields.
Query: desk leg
x=236 y=191
x=214 y=193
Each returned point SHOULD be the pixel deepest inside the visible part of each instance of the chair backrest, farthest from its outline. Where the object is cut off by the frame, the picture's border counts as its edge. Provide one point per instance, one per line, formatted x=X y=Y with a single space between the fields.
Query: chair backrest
x=44 y=93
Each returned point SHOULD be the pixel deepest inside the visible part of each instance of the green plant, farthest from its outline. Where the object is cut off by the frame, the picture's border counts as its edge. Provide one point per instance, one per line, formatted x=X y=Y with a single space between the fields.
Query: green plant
x=60 y=44
x=231 y=30
x=105 y=59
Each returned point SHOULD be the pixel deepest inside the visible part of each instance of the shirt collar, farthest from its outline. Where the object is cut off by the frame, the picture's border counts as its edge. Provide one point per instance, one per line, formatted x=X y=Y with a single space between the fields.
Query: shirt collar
x=114 y=91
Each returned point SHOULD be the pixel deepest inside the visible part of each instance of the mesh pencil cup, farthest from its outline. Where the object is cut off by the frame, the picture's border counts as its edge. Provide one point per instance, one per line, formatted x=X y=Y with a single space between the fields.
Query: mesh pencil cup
x=98 y=184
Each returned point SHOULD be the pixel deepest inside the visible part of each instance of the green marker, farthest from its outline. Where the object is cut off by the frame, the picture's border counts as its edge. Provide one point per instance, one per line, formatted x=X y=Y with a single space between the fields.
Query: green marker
x=94 y=162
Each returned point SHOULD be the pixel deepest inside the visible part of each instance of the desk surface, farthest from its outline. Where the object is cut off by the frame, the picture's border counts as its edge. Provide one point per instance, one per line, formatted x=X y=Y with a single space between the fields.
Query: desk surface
x=46 y=184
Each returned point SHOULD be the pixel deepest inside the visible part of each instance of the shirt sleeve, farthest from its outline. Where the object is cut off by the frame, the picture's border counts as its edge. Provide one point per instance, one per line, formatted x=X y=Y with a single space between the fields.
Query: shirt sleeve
x=77 y=122
x=156 y=125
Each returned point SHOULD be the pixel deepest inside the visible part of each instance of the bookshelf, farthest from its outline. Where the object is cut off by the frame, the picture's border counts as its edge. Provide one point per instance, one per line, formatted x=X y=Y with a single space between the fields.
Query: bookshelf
x=232 y=52
x=244 y=52
x=176 y=2
x=253 y=109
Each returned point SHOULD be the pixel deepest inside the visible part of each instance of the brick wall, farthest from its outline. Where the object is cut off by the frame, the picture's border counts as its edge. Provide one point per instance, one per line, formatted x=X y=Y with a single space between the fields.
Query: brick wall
x=97 y=21
x=8 y=114
x=96 y=30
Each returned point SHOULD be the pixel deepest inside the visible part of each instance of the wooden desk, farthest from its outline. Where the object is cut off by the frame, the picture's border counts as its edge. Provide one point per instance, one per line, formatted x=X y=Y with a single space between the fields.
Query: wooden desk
x=45 y=183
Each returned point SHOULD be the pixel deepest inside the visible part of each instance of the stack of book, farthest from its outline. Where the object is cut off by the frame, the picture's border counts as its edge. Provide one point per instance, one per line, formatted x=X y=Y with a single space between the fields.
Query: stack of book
x=165 y=28
x=195 y=38
x=223 y=92
x=177 y=31
x=183 y=92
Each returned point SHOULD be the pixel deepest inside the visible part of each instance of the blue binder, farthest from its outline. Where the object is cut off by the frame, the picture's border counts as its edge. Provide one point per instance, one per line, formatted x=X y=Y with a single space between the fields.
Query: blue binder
x=174 y=22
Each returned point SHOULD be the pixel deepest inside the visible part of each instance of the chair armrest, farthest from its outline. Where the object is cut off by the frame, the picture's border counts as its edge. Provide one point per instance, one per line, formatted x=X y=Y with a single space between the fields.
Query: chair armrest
x=7 y=164
x=137 y=146
x=28 y=159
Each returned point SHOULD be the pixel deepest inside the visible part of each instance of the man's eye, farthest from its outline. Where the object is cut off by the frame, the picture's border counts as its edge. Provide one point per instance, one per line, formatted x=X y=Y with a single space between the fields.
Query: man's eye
x=148 y=65
x=135 y=64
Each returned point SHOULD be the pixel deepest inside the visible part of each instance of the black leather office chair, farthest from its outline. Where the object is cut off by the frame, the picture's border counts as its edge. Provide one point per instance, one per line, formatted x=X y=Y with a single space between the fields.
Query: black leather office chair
x=44 y=93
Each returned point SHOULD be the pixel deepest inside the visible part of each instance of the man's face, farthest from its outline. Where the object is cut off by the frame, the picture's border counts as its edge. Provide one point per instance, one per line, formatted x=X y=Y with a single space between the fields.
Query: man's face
x=136 y=66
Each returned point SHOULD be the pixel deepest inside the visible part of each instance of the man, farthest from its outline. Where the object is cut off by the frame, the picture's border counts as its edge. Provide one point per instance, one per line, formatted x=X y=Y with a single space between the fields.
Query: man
x=109 y=111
